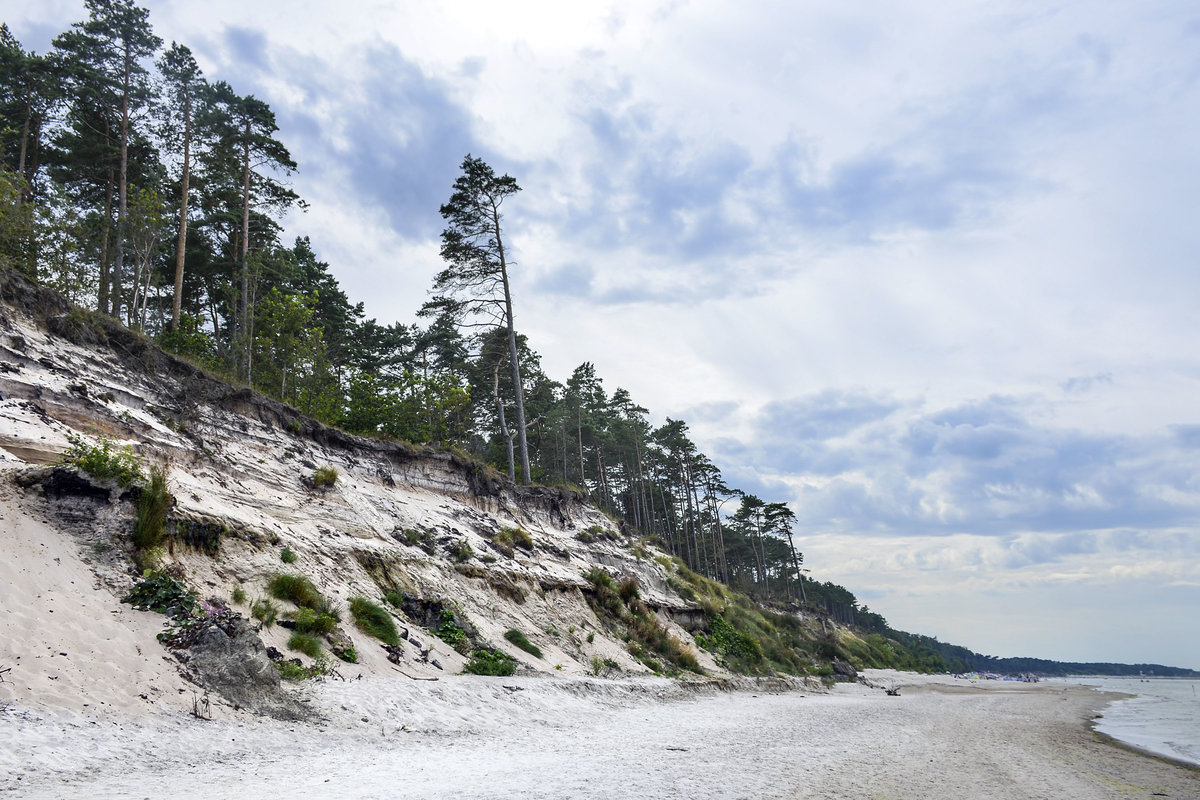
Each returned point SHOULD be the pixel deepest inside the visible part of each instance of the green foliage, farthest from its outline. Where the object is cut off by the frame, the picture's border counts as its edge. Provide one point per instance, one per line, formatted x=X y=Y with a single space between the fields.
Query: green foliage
x=324 y=477
x=394 y=598
x=739 y=647
x=628 y=590
x=374 y=620
x=621 y=604
x=150 y=524
x=16 y=225
x=419 y=538
x=521 y=641
x=460 y=551
x=265 y=612
x=486 y=661
x=506 y=539
x=315 y=622
x=408 y=406
x=600 y=578
x=287 y=556
x=191 y=343
x=104 y=460
x=239 y=595
x=604 y=666
x=347 y=654
x=292 y=671
x=516 y=537
x=158 y=591
x=299 y=590
x=449 y=631
x=306 y=643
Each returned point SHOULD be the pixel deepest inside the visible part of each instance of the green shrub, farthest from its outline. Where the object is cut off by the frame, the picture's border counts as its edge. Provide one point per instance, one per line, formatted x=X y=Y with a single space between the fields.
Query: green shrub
x=394 y=598
x=448 y=631
x=374 y=620
x=347 y=654
x=324 y=477
x=417 y=538
x=315 y=622
x=600 y=578
x=291 y=671
x=239 y=595
x=287 y=556
x=104 y=460
x=486 y=661
x=158 y=591
x=460 y=551
x=521 y=641
x=602 y=666
x=296 y=588
x=265 y=612
x=150 y=526
x=508 y=538
x=728 y=641
x=306 y=643
x=628 y=590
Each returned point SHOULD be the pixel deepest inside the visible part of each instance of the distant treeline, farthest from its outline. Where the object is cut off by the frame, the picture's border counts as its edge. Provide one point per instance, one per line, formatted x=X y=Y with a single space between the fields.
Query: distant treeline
x=954 y=658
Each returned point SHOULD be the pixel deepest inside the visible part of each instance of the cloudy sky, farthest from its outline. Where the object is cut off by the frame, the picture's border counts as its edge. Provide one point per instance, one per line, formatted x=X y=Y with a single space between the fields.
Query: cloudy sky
x=926 y=271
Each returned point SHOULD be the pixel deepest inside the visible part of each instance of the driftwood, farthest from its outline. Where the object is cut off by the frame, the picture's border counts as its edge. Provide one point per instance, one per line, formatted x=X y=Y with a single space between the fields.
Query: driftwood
x=415 y=677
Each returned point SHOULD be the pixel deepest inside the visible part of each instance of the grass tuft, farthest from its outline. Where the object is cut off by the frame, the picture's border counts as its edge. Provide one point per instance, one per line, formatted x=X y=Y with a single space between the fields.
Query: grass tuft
x=150 y=527
x=374 y=620
x=485 y=661
x=325 y=476
x=296 y=588
x=521 y=641
x=265 y=612
x=306 y=643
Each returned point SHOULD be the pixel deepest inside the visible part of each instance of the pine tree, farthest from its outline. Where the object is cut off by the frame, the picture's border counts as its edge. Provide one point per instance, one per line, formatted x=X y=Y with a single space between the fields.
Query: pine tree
x=182 y=83
x=104 y=57
x=475 y=284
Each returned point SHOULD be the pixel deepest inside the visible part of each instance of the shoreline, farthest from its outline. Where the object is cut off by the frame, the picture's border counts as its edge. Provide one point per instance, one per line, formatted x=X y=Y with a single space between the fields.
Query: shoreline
x=544 y=737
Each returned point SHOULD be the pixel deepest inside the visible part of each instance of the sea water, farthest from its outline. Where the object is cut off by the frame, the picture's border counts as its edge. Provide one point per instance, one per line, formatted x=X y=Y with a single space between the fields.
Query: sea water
x=1163 y=716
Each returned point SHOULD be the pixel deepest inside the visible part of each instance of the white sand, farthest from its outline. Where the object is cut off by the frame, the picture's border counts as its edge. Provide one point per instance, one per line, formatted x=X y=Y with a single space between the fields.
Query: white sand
x=558 y=738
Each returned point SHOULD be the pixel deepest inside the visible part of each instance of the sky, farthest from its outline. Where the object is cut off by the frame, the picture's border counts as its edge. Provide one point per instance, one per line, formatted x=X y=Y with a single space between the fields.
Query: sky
x=925 y=271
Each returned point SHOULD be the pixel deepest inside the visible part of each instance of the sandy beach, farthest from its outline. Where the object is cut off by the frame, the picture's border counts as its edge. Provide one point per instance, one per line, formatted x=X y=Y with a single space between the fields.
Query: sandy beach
x=544 y=737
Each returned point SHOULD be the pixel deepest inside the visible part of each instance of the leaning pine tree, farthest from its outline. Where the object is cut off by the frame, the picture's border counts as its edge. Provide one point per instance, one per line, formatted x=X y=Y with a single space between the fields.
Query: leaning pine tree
x=474 y=289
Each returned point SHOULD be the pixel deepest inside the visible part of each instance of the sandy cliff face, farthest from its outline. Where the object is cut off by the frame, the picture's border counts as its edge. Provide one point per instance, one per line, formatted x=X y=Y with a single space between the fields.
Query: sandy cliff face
x=240 y=467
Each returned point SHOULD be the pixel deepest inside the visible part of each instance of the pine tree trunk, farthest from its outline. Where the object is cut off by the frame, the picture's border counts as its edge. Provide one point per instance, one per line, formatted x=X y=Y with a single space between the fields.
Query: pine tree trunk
x=244 y=312
x=508 y=439
x=513 y=357
x=181 y=243
x=122 y=192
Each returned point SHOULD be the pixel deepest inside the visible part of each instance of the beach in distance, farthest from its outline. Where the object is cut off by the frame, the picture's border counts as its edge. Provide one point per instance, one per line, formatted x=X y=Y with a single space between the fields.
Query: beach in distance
x=538 y=737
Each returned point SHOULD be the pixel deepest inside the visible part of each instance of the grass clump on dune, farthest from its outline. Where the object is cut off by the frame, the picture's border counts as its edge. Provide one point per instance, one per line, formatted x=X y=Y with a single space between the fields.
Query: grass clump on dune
x=306 y=643
x=325 y=477
x=296 y=588
x=522 y=641
x=490 y=662
x=374 y=620
x=150 y=526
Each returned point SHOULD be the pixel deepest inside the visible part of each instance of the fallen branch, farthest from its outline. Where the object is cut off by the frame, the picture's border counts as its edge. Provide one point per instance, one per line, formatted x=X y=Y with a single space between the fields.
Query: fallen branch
x=415 y=677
